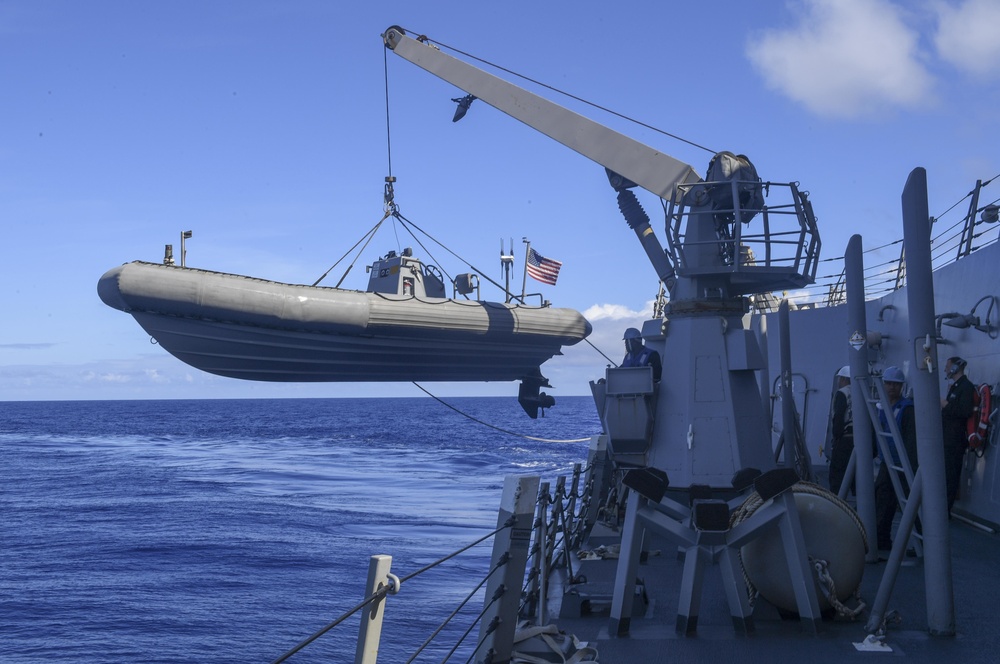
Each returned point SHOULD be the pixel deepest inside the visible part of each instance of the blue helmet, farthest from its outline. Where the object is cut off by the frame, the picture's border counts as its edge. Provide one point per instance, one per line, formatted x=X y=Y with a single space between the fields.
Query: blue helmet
x=632 y=333
x=893 y=375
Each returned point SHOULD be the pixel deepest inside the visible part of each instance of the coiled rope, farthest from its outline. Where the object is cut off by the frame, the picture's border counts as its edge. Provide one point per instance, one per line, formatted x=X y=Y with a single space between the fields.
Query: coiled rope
x=493 y=426
x=820 y=567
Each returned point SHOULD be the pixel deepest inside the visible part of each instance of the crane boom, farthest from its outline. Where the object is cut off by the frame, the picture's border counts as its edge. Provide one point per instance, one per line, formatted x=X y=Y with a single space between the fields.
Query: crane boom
x=649 y=168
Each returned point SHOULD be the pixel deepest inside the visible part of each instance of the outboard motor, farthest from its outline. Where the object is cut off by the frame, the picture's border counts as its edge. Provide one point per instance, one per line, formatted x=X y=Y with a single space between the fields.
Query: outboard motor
x=531 y=399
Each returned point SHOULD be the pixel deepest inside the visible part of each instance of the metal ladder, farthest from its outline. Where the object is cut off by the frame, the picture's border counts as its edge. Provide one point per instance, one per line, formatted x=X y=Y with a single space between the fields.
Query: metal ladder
x=874 y=389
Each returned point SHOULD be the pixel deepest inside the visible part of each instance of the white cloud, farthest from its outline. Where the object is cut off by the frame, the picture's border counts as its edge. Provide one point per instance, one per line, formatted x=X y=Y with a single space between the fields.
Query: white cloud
x=155 y=376
x=968 y=36
x=113 y=378
x=609 y=322
x=845 y=58
x=614 y=312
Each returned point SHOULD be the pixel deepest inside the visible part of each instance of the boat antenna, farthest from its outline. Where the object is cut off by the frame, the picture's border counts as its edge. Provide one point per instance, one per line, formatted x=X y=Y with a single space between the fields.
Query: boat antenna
x=506 y=262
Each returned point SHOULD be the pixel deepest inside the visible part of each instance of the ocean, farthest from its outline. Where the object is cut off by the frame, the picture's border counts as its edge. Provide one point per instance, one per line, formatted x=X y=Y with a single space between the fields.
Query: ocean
x=231 y=530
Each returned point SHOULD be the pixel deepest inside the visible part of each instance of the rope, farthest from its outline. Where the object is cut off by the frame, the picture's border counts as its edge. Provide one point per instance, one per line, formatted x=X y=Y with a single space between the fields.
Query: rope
x=829 y=589
x=434 y=564
x=384 y=590
x=455 y=612
x=406 y=223
x=474 y=623
x=370 y=234
x=494 y=427
x=378 y=594
x=388 y=136
x=421 y=244
x=403 y=220
x=754 y=502
x=601 y=353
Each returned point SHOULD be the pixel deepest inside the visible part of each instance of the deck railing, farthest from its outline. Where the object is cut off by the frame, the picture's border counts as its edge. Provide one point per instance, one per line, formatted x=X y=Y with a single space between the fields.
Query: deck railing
x=536 y=522
x=951 y=241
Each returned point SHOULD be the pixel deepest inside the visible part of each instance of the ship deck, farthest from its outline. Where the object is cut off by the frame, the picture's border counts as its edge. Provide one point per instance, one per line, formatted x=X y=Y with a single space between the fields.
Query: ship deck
x=653 y=638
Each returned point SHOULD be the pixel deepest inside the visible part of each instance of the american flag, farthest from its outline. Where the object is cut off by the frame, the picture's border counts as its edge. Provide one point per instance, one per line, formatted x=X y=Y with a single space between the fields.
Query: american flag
x=543 y=269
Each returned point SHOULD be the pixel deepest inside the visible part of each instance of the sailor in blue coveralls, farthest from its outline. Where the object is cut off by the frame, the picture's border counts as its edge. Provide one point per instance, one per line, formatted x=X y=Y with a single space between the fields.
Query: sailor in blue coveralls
x=885 y=496
x=637 y=355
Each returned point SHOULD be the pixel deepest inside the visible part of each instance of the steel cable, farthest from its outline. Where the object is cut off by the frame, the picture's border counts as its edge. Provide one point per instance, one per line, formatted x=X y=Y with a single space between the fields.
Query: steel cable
x=457 y=609
x=493 y=426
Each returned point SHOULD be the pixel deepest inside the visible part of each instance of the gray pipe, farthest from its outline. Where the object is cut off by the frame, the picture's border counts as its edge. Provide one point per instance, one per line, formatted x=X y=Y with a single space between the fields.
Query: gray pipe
x=857 y=354
x=788 y=423
x=927 y=405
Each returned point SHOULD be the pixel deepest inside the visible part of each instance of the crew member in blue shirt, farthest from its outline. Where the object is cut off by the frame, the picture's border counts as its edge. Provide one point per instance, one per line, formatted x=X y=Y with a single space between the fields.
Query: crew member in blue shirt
x=885 y=496
x=638 y=355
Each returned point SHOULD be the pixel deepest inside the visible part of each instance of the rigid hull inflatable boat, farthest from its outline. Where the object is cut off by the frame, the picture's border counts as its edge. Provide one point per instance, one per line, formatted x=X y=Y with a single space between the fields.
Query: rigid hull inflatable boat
x=402 y=328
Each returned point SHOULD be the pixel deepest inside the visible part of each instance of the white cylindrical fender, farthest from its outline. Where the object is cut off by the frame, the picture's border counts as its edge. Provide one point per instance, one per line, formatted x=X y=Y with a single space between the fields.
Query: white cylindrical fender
x=832 y=533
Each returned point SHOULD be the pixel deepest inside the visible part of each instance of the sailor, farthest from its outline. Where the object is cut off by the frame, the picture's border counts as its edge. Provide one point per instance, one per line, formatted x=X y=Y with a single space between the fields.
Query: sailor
x=885 y=496
x=638 y=355
x=956 y=409
x=842 y=429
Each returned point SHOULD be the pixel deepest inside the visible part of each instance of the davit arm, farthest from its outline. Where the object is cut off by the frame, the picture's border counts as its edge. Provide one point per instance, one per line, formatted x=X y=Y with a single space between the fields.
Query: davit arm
x=628 y=162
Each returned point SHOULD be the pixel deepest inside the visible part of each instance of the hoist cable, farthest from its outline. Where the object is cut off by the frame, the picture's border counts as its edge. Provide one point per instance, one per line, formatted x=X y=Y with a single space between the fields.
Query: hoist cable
x=493 y=426
x=571 y=96
x=369 y=235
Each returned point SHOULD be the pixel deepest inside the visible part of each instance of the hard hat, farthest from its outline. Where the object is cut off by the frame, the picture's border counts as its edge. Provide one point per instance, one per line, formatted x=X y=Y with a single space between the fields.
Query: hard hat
x=632 y=333
x=893 y=375
x=845 y=371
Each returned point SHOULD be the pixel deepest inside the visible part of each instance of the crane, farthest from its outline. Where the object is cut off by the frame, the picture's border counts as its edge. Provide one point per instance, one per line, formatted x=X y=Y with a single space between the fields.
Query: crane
x=710 y=266
x=630 y=163
x=705 y=421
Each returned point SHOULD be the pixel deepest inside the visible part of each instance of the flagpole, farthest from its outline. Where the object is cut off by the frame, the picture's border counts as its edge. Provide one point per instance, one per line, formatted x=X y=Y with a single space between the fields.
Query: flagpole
x=524 y=278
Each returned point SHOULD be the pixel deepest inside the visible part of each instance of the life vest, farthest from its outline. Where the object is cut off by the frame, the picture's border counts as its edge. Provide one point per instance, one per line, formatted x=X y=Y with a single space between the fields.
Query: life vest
x=897 y=414
x=640 y=360
x=978 y=425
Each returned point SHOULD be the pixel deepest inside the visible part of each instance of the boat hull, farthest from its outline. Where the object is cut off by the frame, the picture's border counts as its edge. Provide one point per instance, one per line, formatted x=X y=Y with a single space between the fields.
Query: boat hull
x=255 y=329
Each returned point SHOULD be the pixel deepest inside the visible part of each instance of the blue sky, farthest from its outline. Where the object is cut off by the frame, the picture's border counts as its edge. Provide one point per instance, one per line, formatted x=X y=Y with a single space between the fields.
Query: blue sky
x=261 y=127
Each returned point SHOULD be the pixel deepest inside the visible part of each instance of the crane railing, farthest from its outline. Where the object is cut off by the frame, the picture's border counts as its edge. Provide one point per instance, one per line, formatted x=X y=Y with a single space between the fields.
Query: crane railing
x=783 y=253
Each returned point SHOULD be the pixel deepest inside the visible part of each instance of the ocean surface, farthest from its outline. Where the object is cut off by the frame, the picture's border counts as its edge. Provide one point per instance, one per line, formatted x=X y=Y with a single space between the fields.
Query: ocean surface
x=231 y=530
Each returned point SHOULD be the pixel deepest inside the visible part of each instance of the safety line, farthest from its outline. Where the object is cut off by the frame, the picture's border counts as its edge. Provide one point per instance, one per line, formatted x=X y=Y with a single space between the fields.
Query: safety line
x=493 y=426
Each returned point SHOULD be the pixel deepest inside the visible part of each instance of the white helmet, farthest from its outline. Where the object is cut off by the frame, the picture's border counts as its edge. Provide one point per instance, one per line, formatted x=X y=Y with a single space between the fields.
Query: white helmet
x=893 y=375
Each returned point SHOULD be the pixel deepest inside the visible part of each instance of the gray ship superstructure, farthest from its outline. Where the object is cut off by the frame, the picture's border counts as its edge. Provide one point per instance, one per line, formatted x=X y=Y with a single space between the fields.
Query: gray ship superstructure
x=743 y=416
